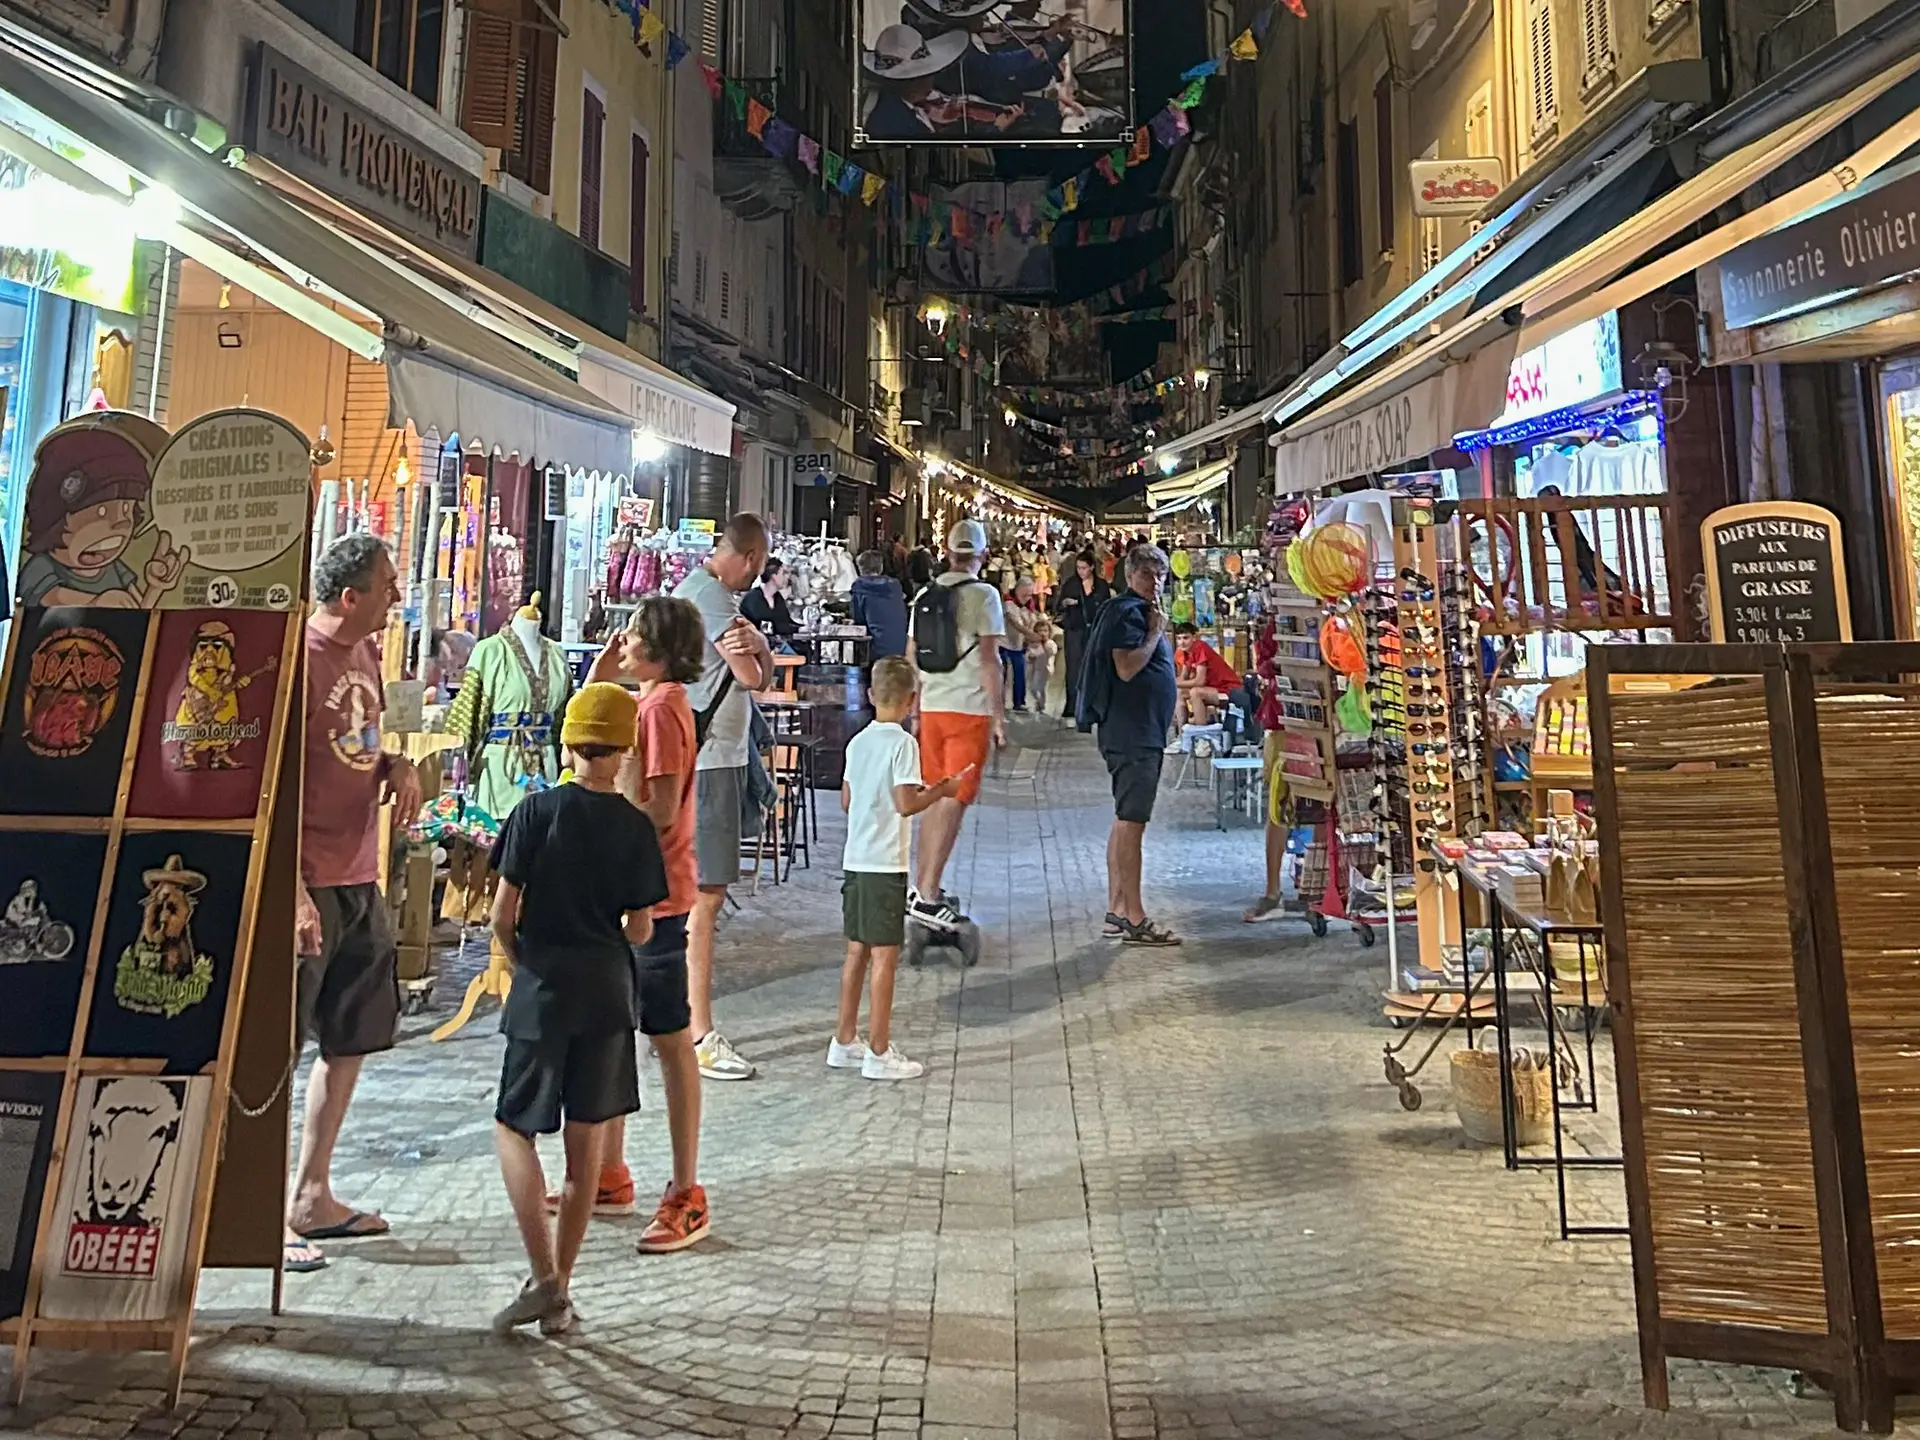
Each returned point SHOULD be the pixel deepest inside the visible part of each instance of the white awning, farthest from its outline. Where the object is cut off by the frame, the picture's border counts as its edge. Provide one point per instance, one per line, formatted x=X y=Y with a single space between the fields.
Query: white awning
x=1227 y=426
x=1190 y=485
x=658 y=400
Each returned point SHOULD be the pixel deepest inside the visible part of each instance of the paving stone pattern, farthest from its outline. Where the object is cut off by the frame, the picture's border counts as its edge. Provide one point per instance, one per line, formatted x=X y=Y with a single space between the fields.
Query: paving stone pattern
x=1140 y=1194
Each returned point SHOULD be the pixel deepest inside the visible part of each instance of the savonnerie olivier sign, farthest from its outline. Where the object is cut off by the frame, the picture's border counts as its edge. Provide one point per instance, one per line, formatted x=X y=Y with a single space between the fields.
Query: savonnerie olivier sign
x=1775 y=574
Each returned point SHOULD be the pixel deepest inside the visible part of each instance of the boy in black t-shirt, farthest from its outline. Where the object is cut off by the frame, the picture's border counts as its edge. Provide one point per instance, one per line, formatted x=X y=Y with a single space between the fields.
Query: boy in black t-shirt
x=580 y=869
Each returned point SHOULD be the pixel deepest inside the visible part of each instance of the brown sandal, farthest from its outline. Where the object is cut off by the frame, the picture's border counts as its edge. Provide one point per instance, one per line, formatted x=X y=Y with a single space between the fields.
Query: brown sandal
x=1148 y=933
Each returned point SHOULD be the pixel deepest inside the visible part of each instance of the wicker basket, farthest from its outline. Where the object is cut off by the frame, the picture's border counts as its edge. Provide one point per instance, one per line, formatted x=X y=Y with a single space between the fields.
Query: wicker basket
x=1476 y=1098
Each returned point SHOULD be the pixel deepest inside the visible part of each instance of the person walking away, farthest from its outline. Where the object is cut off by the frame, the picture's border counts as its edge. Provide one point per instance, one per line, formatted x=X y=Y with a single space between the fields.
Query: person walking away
x=347 y=981
x=1128 y=699
x=660 y=653
x=957 y=628
x=881 y=605
x=766 y=605
x=881 y=794
x=1078 y=604
x=580 y=872
x=1013 y=654
x=736 y=662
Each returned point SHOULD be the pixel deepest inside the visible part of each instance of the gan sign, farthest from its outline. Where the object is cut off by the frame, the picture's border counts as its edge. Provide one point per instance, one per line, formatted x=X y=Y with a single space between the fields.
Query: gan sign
x=986 y=72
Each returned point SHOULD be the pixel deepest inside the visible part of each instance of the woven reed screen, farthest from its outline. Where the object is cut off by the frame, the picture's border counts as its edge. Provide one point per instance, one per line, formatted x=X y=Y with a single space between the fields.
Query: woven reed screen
x=1729 y=1158
x=1870 y=754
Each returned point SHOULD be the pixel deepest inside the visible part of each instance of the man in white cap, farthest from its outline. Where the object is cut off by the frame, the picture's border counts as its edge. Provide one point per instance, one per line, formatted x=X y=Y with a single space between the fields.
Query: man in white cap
x=957 y=626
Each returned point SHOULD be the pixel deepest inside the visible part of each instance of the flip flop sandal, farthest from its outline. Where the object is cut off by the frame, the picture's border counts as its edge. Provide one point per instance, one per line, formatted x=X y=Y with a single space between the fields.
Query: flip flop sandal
x=1148 y=933
x=302 y=1258
x=360 y=1225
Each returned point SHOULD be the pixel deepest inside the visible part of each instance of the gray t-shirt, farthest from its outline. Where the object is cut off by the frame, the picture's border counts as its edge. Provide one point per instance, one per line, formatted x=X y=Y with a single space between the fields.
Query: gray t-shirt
x=726 y=744
x=42 y=573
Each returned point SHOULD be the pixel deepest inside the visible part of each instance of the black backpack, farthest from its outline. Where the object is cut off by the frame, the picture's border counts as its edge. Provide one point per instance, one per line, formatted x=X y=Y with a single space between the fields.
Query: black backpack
x=936 y=627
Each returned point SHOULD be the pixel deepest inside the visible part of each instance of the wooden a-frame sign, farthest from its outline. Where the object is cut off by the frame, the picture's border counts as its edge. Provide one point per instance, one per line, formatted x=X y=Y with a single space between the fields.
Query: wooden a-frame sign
x=149 y=723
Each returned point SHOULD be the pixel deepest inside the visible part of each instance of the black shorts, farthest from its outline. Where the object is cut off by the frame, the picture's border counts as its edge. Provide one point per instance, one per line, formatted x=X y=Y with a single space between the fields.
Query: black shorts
x=583 y=1079
x=874 y=907
x=349 y=994
x=660 y=978
x=1136 y=782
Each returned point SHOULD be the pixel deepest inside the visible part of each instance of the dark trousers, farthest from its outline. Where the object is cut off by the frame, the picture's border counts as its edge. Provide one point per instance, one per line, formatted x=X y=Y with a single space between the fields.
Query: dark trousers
x=1014 y=666
x=1076 y=653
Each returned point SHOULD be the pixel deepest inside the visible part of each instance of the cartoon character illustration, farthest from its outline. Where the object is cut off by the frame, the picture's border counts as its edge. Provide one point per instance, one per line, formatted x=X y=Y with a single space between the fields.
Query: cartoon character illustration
x=85 y=502
x=207 y=725
x=73 y=689
x=353 y=699
x=162 y=972
x=131 y=1132
x=29 y=932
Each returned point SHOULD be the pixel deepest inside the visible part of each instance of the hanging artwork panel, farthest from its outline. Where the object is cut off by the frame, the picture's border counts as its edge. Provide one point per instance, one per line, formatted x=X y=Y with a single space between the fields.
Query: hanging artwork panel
x=205 y=732
x=166 y=960
x=63 y=732
x=119 y=1248
x=48 y=886
x=29 y=1109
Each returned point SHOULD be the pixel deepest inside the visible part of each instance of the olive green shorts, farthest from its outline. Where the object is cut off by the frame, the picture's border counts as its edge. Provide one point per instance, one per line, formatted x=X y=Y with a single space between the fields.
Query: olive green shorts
x=875 y=907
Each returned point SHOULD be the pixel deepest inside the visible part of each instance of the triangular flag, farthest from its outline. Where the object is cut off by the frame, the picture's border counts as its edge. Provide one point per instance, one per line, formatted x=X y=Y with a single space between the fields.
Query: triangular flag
x=1070 y=194
x=1192 y=95
x=1202 y=70
x=831 y=167
x=677 y=50
x=650 y=27
x=1169 y=126
x=1244 y=46
x=736 y=99
x=1085 y=234
x=1116 y=228
x=1046 y=232
x=757 y=117
x=1105 y=166
x=871 y=187
x=1264 y=19
x=1050 y=204
x=708 y=73
x=810 y=154
x=779 y=138
x=1298 y=7
x=1142 y=146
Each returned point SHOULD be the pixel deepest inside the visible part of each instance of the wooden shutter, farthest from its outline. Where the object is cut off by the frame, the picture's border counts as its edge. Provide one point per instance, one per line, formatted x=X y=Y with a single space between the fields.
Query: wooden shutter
x=1596 y=42
x=1386 y=190
x=593 y=133
x=1543 y=105
x=540 y=77
x=490 y=85
x=637 y=227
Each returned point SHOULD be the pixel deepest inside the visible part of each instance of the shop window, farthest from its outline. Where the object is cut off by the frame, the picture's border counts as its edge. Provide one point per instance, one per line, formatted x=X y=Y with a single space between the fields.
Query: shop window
x=1901 y=388
x=637 y=226
x=1347 y=198
x=511 y=60
x=1385 y=179
x=593 y=136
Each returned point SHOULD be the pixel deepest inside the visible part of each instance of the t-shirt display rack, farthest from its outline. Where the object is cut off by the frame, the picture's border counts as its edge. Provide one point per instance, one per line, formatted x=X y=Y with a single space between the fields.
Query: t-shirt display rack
x=146 y=881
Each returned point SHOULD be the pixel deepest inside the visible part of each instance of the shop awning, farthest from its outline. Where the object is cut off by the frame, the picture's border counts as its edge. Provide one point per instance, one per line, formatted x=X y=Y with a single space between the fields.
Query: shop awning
x=1225 y=428
x=491 y=389
x=1189 y=486
x=1576 y=290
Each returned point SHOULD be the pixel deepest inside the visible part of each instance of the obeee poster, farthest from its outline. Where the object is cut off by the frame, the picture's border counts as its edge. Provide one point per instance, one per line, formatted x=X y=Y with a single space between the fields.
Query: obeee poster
x=29 y=1109
x=166 y=958
x=208 y=724
x=119 y=1245
x=48 y=886
x=63 y=730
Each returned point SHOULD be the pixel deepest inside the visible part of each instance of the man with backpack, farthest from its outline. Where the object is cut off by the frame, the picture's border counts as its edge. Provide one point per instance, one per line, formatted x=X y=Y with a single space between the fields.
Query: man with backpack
x=736 y=662
x=957 y=626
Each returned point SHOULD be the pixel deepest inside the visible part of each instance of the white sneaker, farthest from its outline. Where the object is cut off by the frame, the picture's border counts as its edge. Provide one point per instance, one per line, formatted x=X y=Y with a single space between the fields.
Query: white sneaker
x=891 y=1066
x=846 y=1057
x=720 y=1061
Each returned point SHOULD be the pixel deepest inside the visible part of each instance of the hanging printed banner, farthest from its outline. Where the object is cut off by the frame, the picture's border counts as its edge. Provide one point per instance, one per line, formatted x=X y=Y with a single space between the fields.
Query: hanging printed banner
x=126 y=1199
x=1001 y=261
x=29 y=1110
x=979 y=72
x=48 y=884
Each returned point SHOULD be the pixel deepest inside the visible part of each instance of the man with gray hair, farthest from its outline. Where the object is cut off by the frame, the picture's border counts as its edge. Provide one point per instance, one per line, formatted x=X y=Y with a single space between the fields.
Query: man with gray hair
x=1129 y=696
x=349 y=997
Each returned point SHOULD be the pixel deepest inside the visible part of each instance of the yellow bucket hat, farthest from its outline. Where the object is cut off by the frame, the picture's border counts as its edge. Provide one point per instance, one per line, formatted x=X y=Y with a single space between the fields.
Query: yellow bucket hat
x=602 y=714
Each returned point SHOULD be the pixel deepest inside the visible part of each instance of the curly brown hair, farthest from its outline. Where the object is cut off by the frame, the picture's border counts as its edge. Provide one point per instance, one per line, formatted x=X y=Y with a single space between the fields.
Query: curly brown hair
x=671 y=632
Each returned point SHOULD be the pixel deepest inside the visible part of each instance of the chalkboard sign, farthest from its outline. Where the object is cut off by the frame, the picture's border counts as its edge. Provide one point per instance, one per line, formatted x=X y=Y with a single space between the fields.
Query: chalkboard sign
x=1775 y=574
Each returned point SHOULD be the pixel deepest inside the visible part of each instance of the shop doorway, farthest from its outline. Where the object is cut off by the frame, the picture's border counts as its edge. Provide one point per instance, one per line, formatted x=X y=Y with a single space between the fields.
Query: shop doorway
x=1900 y=408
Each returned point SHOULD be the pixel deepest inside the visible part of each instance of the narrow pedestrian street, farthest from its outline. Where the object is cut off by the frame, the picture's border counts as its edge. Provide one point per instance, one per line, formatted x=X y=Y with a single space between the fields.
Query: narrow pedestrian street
x=1140 y=1194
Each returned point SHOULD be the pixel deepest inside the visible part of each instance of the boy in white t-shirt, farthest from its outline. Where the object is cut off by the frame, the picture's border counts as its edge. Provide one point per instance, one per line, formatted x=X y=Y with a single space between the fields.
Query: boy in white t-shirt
x=881 y=794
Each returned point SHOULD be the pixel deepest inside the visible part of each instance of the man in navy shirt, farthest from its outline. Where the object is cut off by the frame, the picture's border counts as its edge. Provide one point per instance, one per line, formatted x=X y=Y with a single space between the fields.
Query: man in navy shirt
x=1140 y=692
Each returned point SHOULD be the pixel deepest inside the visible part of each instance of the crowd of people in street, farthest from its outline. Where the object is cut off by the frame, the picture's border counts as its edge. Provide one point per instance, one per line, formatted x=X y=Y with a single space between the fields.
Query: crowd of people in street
x=609 y=887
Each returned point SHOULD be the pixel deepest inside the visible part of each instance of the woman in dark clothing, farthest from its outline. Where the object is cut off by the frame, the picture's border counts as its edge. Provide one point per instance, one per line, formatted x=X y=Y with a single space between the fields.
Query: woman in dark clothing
x=1077 y=604
x=919 y=571
x=766 y=607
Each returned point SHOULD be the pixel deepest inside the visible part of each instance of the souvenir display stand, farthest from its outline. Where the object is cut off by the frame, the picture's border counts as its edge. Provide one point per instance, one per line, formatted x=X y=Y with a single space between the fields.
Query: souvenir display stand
x=150 y=781
x=1761 y=871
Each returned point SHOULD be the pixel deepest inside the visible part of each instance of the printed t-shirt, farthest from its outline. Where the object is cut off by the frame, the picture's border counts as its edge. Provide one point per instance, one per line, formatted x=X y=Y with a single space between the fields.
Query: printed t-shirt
x=582 y=859
x=667 y=750
x=879 y=837
x=719 y=607
x=340 y=804
x=979 y=614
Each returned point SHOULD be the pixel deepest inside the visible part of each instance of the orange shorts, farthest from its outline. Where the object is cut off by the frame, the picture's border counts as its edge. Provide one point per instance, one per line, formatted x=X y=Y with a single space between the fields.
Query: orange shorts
x=949 y=742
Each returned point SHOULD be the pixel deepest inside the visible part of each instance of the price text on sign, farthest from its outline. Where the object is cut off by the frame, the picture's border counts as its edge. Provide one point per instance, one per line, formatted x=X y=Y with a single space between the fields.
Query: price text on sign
x=1775 y=575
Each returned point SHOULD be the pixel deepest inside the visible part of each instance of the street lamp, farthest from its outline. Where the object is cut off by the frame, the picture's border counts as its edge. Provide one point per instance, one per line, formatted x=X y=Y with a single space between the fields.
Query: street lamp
x=1202 y=377
x=935 y=314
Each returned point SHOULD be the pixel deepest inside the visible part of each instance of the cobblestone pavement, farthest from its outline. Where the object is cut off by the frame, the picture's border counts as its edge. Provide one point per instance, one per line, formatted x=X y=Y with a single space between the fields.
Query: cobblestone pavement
x=1140 y=1194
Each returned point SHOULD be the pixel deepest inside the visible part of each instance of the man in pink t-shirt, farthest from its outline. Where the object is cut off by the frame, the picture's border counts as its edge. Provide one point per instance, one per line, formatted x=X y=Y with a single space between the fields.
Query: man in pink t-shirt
x=349 y=995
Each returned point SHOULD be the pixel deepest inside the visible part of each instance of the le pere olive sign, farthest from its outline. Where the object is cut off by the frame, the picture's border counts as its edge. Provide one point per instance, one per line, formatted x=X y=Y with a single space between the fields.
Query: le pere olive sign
x=1775 y=575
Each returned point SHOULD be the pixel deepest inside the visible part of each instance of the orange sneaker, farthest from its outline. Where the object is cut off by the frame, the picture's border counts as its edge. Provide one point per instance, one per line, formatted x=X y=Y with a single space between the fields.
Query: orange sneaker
x=612 y=1198
x=681 y=1220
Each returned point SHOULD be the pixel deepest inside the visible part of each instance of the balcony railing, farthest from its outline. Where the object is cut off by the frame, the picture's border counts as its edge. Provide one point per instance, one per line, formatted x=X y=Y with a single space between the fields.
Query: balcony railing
x=1554 y=563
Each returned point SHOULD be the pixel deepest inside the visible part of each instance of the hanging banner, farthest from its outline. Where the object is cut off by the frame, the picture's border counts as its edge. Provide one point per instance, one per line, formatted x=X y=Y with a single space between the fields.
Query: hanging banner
x=1407 y=427
x=978 y=72
x=1454 y=189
